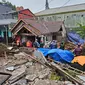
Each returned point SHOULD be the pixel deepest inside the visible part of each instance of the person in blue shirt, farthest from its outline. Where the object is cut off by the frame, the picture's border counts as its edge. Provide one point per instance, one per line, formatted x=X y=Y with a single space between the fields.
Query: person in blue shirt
x=36 y=44
x=53 y=44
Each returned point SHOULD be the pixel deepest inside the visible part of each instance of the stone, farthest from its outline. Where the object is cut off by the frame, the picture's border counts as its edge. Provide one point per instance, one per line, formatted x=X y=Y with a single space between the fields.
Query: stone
x=34 y=69
x=68 y=83
x=37 y=79
x=9 y=48
x=20 y=82
x=17 y=74
x=42 y=82
x=31 y=77
x=44 y=73
x=81 y=77
x=31 y=83
x=53 y=82
x=28 y=64
x=46 y=82
x=83 y=83
x=31 y=70
x=71 y=84
x=19 y=55
x=11 y=68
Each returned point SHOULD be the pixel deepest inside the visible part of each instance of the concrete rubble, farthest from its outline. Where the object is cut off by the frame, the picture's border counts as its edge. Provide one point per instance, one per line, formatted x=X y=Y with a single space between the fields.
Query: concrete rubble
x=26 y=71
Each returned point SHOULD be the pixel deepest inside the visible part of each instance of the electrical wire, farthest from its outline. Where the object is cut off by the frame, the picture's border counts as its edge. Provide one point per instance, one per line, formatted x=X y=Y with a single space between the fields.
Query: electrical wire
x=65 y=3
x=50 y=1
x=60 y=6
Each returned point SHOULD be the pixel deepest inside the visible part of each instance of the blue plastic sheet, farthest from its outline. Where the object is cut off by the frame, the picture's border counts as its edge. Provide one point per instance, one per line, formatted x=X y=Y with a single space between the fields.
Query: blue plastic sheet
x=58 y=54
x=74 y=37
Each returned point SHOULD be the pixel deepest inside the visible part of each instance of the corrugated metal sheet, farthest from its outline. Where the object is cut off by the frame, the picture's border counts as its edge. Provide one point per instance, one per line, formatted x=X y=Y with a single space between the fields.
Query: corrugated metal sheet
x=45 y=27
x=7 y=21
x=39 y=28
x=4 y=9
x=62 y=9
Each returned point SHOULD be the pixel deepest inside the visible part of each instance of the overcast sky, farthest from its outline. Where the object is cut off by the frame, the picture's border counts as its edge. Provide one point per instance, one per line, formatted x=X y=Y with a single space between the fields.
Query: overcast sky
x=39 y=5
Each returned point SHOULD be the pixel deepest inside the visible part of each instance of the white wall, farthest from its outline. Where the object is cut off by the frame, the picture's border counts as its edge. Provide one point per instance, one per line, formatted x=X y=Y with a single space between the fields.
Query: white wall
x=71 y=20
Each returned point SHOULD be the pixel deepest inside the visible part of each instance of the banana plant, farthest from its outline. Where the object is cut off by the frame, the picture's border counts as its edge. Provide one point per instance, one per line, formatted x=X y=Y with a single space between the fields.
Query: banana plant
x=81 y=31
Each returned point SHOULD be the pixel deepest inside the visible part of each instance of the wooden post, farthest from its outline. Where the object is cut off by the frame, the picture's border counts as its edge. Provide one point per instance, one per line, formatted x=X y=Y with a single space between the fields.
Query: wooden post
x=5 y=55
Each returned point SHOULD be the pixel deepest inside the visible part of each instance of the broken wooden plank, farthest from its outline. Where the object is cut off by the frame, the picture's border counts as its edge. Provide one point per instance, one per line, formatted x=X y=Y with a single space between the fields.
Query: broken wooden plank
x=17 y=74
x=60 y=70
x=57 y=67
x=4 y=77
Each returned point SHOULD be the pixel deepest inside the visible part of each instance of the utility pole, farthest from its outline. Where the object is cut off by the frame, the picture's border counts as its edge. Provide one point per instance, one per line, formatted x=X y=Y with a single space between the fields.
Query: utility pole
x=47 y=5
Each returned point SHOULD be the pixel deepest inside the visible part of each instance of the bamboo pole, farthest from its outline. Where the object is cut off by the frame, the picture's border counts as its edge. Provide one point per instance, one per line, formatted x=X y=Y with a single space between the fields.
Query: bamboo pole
x=71 y=78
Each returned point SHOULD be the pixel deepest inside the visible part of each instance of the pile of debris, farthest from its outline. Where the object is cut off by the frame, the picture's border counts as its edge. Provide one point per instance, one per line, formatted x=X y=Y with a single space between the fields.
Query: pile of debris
x=3 y=50
x=69 y=46
x=25 y=69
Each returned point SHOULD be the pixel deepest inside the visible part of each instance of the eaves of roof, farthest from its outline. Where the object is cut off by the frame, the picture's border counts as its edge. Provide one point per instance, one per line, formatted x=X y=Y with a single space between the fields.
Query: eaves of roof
x=62 y=10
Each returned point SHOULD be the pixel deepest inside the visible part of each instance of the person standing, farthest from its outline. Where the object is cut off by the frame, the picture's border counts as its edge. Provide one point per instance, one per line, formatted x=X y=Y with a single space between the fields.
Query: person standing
x=78 y=50
x=58 y=45
x=36 y=44
x=62 y=45
x=18 y=41
x=53 y=44
x=29 y=44
x=41 y=44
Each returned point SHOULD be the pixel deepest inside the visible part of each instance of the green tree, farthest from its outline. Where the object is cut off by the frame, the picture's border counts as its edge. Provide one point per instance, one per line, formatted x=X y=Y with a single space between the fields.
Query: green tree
x=9 y=4
x=81 y=31
x=3 y=1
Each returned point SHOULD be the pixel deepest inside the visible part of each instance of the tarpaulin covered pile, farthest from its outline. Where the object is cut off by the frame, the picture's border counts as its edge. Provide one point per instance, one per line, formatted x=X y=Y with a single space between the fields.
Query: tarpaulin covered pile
x=58 y=54
x=79 y=59
x=75 y=38
x=79 y=62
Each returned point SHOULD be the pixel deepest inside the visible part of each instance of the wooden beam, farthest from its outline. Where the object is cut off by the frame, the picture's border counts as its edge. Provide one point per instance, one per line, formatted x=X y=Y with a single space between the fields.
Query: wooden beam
x=57 y=67
x=27 y=34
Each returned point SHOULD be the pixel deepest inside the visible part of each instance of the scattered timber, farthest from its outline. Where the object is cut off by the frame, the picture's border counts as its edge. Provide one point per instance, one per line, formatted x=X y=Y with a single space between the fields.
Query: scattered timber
x=71 y=78
x=60 y=70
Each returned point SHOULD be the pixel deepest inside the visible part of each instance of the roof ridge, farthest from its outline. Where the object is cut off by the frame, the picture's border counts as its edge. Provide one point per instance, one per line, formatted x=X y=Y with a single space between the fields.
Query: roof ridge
x=60 y=7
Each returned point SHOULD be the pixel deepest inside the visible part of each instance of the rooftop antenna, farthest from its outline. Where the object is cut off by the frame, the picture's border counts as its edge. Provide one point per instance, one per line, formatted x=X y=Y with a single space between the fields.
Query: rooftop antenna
x=47 y=5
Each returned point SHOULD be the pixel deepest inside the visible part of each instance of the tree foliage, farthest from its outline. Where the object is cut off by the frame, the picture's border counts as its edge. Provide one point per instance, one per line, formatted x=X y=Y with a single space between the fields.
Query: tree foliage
x=9 y=4
x=3 y=1
x=81 y=32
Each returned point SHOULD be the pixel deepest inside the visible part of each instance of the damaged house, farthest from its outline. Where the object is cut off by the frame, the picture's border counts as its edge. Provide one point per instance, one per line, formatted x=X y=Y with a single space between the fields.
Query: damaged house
x=30 y=29
x=55 y=30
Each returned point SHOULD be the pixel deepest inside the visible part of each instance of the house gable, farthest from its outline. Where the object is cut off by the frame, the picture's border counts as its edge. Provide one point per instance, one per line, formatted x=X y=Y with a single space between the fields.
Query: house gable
x=17 y=26
x=22 y=24
x=25 y=14
x=25 y=31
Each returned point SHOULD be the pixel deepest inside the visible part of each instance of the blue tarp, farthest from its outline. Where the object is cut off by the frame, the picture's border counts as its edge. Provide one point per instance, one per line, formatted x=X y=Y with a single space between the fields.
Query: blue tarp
x=74 y=37
x=58 y=54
